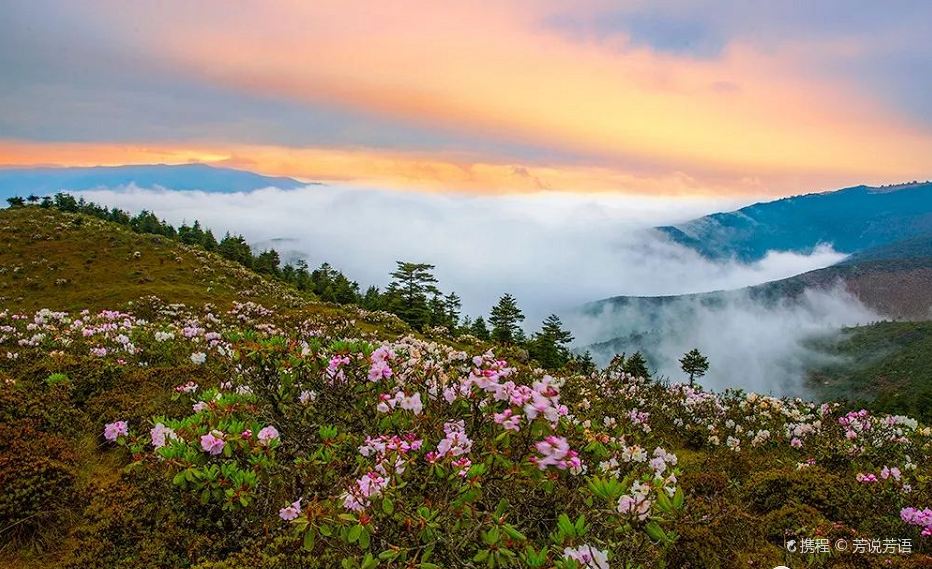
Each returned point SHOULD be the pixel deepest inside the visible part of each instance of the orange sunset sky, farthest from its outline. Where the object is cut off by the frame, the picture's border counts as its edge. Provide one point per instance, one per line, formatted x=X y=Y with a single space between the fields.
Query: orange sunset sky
x=678 y=98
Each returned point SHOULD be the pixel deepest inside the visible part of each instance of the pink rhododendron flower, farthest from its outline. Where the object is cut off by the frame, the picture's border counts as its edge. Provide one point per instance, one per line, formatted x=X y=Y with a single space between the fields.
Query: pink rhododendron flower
x=456 y=442
x=917 y=517
x=267 y=435
x=637 y=503
x=159 y=434
x=213 y=442
x=357 y=498
x=334 y=368
x=291 y=512
x=189 y=387
x=379 y=370
x=508 y=420
x=412 y=403
x=115 y=430
x=556 y=452
x=894 y=473
x=587 y=556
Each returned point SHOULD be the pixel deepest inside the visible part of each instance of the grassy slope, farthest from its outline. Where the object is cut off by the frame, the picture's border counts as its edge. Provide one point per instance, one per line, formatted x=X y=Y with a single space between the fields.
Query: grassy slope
x=98 y=262
x=888 y=364
x=67 y=262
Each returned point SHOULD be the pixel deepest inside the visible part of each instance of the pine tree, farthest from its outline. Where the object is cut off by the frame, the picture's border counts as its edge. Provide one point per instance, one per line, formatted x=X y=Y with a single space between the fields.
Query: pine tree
x=437 y=310
x=407 y=293
x=209 y=242
x=480 y=330
x=504 y=318
x=582 y=363
x=636 y=365
x=235 y=248
x=267 y=262
x=452 y=305
x=695 y=364
x=549 y=346
x=372 y=300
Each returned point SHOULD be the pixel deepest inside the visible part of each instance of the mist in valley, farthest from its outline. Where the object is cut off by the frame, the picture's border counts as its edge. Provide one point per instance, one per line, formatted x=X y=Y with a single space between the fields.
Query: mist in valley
x=555 y=252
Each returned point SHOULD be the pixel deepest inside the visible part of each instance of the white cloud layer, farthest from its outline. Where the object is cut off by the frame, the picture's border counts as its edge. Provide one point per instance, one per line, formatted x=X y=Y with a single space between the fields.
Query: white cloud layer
x=760 y=347
x=554 y=251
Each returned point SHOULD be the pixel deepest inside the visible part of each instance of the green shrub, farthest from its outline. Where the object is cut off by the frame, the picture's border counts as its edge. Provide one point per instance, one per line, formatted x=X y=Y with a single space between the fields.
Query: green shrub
x=837 y=498
x=38 y=478
x=792 y=520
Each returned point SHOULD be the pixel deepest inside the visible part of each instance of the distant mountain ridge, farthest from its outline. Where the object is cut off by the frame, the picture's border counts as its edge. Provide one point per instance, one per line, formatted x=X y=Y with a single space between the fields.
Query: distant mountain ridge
x=852 y=219
x=894 y=279
x=40 y=181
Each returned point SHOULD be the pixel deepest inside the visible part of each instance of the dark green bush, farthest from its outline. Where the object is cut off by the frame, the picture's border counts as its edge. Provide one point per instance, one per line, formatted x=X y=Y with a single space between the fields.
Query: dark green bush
x=836 y=498
x=38 y=478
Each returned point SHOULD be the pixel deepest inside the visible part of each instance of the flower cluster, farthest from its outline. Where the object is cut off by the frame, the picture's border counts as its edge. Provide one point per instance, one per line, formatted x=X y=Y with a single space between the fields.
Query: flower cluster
x=555 y=451
x=921 y=518
x=455 y=445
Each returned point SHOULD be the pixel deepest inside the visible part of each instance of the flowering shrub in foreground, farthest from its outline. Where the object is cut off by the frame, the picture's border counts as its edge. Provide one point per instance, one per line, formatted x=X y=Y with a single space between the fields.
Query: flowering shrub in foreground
x=367 y=452
x=409 y=435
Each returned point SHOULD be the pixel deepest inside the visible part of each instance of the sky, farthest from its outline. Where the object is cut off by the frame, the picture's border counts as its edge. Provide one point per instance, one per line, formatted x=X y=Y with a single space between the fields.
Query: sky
x=715 y=99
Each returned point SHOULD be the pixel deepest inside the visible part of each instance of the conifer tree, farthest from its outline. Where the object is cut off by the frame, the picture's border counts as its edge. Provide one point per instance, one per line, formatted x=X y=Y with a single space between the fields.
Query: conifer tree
x=452 y=305
x=504 y=318
x=480 y=330
x=437 y=310
x=407 y=293
x=267 y=262
x=694 y=364
x=549 y=346
x=636 y=365
x=235 y=248
x=372 y=300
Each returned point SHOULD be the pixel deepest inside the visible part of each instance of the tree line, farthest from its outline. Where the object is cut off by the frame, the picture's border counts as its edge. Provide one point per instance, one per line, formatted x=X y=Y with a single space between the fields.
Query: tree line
x=413 y=294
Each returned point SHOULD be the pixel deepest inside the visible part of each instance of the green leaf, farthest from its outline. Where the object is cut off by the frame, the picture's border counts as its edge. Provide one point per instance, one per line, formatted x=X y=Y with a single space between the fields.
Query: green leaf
x=565 y=525
x=580 y=525
x=492 y=536
x=655 y=532
x=513 y=533
x=678 y=499
x=388 y=506
x=309 y=537
x=364 y=538
x=354 y=532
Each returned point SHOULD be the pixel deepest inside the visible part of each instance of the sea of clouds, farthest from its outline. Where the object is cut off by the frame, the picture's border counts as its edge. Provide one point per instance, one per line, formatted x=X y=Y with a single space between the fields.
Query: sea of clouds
x=553 y=251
